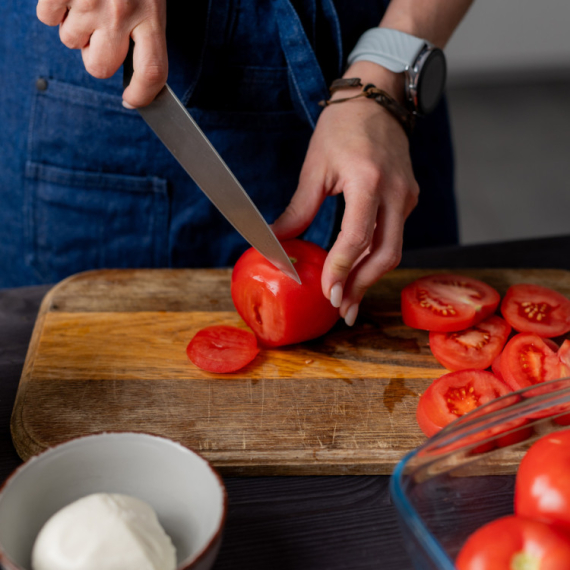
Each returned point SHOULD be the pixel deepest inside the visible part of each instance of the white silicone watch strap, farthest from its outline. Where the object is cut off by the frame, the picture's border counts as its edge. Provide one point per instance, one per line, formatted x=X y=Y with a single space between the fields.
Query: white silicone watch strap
x=389 y=48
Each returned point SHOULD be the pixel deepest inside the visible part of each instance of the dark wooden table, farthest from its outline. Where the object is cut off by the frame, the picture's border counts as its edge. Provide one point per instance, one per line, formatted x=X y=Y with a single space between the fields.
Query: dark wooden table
x=292 y=523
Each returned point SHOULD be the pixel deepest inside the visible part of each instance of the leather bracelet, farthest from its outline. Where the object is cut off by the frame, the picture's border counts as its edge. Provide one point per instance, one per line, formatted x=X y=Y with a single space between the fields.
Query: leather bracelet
x=370 y=91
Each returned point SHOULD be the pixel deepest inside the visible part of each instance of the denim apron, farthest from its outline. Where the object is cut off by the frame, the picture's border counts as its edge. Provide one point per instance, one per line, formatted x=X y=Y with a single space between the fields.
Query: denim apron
x=84 y=183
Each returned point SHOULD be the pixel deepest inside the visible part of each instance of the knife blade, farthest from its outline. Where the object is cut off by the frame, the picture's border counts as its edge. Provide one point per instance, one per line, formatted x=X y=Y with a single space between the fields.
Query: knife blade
x=181 y=135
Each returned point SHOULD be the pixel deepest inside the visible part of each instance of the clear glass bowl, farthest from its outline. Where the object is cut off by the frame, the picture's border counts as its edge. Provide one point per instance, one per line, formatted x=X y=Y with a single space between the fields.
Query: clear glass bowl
x=452 y=484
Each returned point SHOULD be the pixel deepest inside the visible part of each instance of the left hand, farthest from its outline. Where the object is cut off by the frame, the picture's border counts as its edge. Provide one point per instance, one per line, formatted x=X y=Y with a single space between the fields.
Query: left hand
x=358 y=148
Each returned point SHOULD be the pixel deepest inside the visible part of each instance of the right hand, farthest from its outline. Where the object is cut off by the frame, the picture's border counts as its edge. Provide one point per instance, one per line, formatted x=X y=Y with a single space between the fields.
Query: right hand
x=101 y=30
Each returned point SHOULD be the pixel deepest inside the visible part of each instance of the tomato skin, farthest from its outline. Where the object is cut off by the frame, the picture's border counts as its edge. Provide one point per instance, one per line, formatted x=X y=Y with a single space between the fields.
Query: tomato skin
x=514 y=542
x=276 y=308
x=527 y=359
x=222 y=349
x=475 y=347
x=467 y=390
x=447 y=303
x=536 y=309
x=542 y=488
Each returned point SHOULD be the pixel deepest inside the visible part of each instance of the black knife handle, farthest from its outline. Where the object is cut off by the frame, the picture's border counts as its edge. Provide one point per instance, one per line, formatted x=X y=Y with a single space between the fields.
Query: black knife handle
x=128 y=65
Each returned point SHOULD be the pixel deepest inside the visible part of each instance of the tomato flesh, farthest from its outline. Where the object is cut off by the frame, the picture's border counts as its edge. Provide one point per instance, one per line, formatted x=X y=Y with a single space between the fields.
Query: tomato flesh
x=447 y=303
x=276 y=308
x=536 y=309
x=527 y=359
x=454 y=395
x=542 y=488
x=222 y=348
x=475 y=347
x=515 y=543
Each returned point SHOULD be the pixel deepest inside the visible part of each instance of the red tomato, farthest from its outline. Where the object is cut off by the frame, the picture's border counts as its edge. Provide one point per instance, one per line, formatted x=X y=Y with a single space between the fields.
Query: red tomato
x=454 y=395
x=475 y=347
x=276 y=308
x=536 y=309
x=447 y=303
x=528 y=359
x=222 y=348
x=513 y=543
x=496 y=367
x=542 y=488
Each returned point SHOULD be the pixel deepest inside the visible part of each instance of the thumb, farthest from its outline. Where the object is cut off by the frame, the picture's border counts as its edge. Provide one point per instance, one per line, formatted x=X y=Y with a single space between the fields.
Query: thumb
x=302 y=208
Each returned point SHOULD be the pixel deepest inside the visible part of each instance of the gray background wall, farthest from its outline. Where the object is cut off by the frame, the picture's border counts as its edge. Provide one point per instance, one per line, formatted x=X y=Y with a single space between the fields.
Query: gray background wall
x=509 y=95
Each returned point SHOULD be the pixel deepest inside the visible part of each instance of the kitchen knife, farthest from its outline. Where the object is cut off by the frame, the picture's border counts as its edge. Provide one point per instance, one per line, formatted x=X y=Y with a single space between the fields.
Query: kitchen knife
x=174 y=126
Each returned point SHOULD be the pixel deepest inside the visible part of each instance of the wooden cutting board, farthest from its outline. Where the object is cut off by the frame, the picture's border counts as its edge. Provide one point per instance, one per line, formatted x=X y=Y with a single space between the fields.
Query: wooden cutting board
x=108 y=353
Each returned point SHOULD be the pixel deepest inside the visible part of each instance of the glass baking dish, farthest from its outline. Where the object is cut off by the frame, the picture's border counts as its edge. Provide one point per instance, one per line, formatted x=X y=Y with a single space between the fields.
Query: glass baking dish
x=455 y=482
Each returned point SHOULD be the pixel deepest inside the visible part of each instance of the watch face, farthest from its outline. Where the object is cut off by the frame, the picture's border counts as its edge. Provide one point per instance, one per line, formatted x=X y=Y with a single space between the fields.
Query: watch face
x=431 y=82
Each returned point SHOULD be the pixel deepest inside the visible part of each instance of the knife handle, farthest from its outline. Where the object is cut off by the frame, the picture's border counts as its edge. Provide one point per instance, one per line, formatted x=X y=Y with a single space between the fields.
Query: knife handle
x=128 y=65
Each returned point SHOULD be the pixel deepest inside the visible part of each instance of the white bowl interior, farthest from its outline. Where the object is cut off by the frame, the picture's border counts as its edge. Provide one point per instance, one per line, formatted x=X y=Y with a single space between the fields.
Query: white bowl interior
x=182 y=488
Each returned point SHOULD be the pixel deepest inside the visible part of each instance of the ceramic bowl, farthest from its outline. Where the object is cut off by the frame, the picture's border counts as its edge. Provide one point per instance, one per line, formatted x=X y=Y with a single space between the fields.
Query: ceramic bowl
x=187 y=494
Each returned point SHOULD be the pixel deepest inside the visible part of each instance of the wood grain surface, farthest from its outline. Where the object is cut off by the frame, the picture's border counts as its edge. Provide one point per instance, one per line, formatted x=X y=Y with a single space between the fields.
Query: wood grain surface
x=108 y=354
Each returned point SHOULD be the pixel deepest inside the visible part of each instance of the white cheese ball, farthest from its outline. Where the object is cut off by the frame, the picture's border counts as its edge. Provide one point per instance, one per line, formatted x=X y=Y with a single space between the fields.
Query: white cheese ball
x=104 y=532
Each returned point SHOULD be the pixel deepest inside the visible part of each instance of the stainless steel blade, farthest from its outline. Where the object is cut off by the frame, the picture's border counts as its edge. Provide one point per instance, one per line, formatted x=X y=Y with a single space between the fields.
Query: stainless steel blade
x=174 y=126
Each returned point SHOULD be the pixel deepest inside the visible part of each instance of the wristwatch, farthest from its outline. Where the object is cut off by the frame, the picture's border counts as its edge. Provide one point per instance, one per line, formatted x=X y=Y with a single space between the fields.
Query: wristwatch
x=422 y=63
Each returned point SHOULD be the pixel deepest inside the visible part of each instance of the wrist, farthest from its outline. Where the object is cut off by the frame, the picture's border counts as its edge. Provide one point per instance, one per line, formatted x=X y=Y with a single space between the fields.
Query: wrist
x=369 y=72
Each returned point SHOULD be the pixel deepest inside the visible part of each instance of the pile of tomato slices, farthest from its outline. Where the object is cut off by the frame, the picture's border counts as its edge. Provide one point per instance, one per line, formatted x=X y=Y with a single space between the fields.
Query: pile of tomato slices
x=468 y=338
x=537 y=536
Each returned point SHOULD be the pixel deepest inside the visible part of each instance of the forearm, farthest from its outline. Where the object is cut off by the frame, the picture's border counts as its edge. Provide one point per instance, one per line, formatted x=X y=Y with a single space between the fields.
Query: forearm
x=432 y=20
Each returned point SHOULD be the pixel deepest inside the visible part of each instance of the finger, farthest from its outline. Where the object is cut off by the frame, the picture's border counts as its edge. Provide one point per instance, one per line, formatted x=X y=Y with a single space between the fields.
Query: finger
x=354 y=239
x=51 y=12
x=150 y=65
x=303 y=206
x=105 y=53
x=75 y=31
x=385 y=255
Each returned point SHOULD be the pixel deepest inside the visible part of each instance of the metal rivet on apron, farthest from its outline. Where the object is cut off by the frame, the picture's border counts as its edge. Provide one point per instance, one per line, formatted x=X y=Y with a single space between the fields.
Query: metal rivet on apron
x=41 y=84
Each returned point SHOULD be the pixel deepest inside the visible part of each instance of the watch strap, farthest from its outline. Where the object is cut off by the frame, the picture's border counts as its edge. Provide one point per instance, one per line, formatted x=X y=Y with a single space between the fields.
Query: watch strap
x=392 y=49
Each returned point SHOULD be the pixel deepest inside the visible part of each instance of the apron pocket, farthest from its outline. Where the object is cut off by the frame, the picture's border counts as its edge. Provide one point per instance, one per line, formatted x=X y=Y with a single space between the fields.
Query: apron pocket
x=78 y=220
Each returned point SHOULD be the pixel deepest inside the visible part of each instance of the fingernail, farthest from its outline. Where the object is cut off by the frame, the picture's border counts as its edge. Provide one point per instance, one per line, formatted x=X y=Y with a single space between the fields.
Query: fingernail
x=351 y=314
x=127 y=105
x=336 y=295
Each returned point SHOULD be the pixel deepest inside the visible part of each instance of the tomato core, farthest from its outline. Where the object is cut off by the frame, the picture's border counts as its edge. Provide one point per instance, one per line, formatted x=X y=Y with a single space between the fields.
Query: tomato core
x=537 y=312
x=524 y=561
x=461 y=401
x=531 y=360
x=292 y=259
x=436 y=305
x=474 y=338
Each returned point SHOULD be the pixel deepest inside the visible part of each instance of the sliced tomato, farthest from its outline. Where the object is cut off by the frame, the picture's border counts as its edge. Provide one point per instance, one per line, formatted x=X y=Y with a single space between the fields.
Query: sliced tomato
x=475 y=347
x=527 y=360
x=447 y=303
x=222 y=348
x=496 y=367
x=454 y=395
x=536 y=309
x=512 y=543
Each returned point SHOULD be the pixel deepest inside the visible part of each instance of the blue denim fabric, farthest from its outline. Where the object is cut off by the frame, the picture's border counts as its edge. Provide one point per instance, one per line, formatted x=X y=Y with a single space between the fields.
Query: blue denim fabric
x=85 y=184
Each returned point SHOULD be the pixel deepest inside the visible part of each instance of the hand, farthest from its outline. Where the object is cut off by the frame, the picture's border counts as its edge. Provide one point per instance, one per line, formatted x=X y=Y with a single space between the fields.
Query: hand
x=101 y=30
x=358 y=149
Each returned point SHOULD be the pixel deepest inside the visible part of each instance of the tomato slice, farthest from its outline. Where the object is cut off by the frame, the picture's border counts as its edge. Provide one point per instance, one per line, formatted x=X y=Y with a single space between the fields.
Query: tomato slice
x=454 y=395
x=536 y=309
x=496 y=367
x=515 y=542
x=527 y=359
x=475 y=347
x=447 y=303
x=222 y=348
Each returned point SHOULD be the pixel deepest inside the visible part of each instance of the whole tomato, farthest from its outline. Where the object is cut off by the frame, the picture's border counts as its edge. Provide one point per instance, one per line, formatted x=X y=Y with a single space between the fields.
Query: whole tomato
x=276 y=308
x=542 y=488
x=513 y=543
